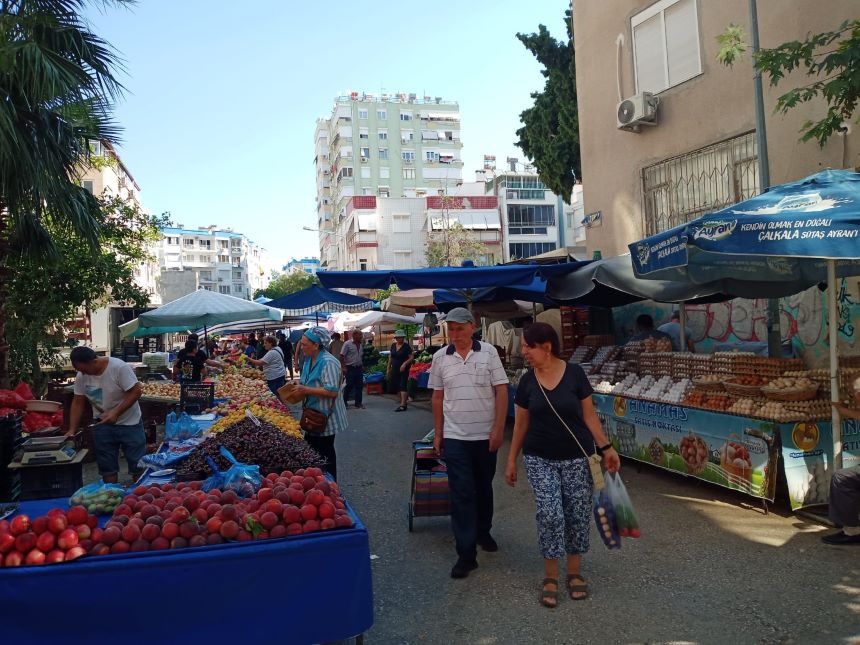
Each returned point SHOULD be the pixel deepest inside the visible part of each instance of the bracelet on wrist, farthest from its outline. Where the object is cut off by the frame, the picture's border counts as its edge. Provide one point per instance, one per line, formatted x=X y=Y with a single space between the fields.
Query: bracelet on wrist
x=606 y=447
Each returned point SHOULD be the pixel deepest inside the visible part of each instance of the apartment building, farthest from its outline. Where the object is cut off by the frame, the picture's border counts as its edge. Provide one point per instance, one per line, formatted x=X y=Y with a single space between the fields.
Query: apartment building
x=667 y=132
x=392 y=232
x=385 y=146
x=221 y=260
x=304 y=265
x=535 y=220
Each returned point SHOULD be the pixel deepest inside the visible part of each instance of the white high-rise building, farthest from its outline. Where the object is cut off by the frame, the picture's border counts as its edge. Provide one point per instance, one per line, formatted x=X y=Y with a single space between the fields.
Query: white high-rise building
x=386 y=146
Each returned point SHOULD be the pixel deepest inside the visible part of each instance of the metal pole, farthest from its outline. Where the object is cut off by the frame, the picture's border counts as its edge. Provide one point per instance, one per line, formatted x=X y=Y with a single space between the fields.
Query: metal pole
x=682 y=320
x=833 y=329
x=774 y=336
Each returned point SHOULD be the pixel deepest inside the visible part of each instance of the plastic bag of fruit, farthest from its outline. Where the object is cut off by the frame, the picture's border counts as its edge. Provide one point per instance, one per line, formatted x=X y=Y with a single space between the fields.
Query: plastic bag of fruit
x=180 y=428
x=172 y=455
x=604 y=516
x=625 y=516
x=98 y=498
x=244 y=479
x=216 y=480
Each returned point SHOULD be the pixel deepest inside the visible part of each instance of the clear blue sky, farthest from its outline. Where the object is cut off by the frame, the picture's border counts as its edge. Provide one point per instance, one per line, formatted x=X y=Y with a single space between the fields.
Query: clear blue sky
x=223 y=96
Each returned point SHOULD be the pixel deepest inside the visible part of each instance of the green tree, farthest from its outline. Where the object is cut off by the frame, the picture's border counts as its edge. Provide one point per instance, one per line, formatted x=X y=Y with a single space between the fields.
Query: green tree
x=550 y=132
x=831 y=58
x=452 y=244
x=284 y=284
x=47 y=291
x=57 y=83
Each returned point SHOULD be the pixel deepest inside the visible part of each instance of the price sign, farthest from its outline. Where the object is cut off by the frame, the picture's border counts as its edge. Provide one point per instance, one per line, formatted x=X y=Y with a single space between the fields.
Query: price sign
x=196 y=397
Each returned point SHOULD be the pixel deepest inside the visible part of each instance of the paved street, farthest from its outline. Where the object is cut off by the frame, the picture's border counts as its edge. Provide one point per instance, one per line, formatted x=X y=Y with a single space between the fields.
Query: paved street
x=710 y=568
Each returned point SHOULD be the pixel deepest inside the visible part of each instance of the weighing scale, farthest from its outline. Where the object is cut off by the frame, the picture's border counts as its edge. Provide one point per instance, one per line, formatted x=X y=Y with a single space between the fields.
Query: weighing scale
x=48 y=450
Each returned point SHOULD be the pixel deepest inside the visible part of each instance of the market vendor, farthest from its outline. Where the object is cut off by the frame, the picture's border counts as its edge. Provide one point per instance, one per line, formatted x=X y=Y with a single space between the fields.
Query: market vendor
x=645 y=329
x=399 y=360
x=274 y=364
x=113 y=391
x=845 y=487
x=190 y=366
x=204 y=354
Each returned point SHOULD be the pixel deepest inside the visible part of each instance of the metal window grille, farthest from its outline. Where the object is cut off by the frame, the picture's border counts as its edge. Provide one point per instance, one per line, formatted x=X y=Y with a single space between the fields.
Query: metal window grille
x=685 y=187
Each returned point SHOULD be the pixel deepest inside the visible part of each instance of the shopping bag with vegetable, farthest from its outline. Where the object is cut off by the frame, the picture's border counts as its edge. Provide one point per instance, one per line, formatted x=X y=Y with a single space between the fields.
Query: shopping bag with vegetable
x=98 y=498
x=244 y=479
x=604 y=516
x=628 y=524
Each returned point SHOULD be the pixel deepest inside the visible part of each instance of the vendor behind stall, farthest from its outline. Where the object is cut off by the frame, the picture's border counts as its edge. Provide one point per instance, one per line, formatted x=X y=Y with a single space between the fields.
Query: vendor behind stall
x=113 y=390
x=645 y=329
x=190 y=366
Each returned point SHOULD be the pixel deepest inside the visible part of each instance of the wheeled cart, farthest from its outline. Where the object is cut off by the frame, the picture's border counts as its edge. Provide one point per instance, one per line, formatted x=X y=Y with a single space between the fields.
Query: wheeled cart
x=430 y=495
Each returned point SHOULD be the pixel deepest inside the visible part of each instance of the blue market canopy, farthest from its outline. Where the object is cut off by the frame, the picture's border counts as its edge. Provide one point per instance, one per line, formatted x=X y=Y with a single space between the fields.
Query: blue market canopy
x=612 y=283
x=785 y=234
x=465 y=277
x=534 y=292
x=198 y=309
x=316 y=298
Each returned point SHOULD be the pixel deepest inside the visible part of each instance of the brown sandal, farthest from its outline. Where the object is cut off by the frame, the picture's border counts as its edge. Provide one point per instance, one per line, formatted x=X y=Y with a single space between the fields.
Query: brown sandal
x=581 y=588
x=546 y=595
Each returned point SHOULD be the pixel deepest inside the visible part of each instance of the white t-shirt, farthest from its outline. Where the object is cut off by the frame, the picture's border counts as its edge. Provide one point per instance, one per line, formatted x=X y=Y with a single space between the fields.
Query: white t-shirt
x=274 y=364
x=469 y=384
x=107 y=390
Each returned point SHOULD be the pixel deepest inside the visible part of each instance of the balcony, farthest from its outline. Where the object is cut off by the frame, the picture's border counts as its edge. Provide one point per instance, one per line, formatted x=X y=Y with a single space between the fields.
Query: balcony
x=236 y=250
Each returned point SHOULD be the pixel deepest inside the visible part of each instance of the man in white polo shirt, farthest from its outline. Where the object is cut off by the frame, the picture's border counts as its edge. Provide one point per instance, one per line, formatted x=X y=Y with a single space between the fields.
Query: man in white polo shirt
x=470 y=405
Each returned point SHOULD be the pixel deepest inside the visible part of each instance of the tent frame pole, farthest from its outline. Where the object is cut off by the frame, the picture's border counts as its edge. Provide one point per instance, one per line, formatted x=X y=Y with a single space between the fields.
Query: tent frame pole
x=833 y=330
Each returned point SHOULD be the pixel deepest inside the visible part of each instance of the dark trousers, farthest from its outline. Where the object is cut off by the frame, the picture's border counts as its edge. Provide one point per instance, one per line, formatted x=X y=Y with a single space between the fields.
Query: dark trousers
x=845 y=497
x=354 y=382
x=276 y=383
x=324 y=446
x=471 y=468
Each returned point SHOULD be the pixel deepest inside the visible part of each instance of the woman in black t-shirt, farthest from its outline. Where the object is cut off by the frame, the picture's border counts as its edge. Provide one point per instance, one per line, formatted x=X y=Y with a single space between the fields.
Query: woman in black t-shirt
x=556 y=466
x=399 y=361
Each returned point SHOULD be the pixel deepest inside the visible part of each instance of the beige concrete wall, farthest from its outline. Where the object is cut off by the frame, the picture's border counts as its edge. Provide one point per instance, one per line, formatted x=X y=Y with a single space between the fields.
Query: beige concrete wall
x=716 y=105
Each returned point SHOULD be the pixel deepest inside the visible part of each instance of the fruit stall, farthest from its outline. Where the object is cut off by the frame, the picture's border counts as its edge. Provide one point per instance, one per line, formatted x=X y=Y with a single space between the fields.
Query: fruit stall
x=238 y=516
x=726 y=417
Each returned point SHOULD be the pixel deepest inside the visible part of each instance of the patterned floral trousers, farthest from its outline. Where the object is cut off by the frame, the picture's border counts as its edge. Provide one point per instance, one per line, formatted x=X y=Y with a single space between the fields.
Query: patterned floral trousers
x=563 y=497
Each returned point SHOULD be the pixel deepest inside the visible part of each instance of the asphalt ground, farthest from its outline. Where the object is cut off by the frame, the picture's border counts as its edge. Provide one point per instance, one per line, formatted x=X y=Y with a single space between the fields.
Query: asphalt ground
x=711 y=566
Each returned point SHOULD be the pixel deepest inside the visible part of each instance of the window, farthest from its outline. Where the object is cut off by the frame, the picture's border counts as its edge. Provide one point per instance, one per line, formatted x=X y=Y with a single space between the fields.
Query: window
x=383 y=135
x=205 y=275
x=205 y=244
x=431 y=156
x=402 y=259
x=362 y=114
x=666 y=45
x=409 y=173
x=384 y=191
x=383 y=154
x=88 y=186
x=528 y=215
x=345 y=172
x=362 y=264
x=408 y=156
x=225 y=289
x=401 y=224
x=173 y=240
x=236 y=243
x=365 y=153
x=237 y=288
x=381 y=115
x=406 y=116
x=188 y=241
x=363 y=133
x=223 y=244
x=365 y=172
x=237 y=274
x=224 y=258
x=682 y=188
x=385 y=172
x=367 y=191
x=406 y=136
x=520 y=250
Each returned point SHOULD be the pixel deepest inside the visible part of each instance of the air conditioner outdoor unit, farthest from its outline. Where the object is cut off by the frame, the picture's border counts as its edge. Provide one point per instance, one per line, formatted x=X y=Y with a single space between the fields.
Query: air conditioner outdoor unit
x=636 y=111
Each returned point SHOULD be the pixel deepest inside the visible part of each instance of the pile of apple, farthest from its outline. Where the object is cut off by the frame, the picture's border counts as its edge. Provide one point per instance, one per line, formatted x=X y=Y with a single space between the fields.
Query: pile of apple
x=176 y=517
x=59 y=536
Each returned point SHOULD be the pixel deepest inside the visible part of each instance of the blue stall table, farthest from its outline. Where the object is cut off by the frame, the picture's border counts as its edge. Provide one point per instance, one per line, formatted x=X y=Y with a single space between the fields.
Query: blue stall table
x=298 y=589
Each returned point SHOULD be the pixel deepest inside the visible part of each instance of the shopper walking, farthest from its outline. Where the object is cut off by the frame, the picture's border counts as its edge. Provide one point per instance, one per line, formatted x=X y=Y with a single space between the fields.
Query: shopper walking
x=557 y=429
x=353 y=368
x=274 y=364
x=112 y=389
x=399 y=360
x=287 y=348
x=320 y=385
x=470 y=403
x=844 y=507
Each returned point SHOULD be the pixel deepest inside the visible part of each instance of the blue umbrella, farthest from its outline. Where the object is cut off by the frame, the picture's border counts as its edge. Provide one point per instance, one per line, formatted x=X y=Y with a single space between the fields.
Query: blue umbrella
x=465 y=277
x=534 y=292
x=316 y=298
x=806 y=230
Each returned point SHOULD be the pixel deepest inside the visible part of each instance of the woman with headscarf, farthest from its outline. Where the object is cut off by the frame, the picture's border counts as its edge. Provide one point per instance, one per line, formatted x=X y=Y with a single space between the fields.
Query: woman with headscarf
x=399 y=360
x=320 y=386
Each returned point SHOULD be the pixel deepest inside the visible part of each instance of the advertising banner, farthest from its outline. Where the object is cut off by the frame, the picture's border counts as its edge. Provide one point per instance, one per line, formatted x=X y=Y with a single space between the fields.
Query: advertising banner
x=807 y=453
x=734 y=452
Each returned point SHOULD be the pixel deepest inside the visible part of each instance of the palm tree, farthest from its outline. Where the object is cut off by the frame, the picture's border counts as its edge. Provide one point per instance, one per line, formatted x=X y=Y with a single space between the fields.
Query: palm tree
x=57 y=87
